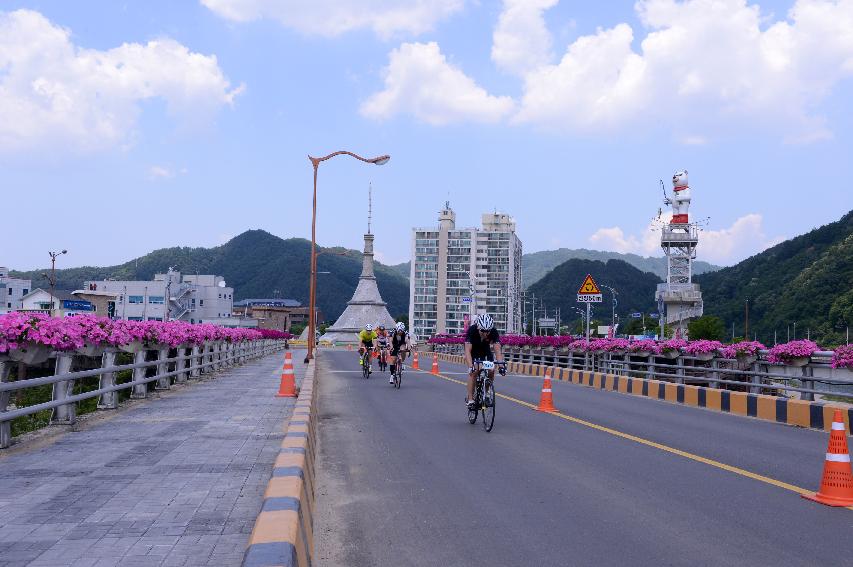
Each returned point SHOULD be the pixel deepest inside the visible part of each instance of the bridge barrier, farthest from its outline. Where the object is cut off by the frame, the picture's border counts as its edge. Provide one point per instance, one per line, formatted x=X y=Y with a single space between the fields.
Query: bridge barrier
x=283 y=531
x=802 y=413
x=187 y=363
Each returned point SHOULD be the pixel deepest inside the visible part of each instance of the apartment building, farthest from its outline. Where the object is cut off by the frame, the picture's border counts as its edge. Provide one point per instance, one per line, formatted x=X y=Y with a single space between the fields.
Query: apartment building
x=457 y=273
x=12 y=290
x=192 y=298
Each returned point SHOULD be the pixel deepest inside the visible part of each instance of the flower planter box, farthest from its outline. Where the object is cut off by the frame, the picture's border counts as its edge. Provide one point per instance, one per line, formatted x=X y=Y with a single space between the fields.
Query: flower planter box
x=132 y=347
x=746 y=358
x=797 y=361
x=671 y=353
x=642 y=353
x=91 y=350
x=30 y=353
x=703 y=356
x=618 y=352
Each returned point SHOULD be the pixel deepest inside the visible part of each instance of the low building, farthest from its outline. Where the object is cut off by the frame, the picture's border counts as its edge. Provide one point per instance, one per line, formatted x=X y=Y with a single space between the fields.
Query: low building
x=191 y=298
x=12 y=290
x=277 y=314
x=64 y=303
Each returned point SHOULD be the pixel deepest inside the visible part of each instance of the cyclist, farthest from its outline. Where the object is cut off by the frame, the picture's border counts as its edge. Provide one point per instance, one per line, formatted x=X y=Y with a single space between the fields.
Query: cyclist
x=365 y=339
x=381 y=340
x=479 y=341
x=400 y=345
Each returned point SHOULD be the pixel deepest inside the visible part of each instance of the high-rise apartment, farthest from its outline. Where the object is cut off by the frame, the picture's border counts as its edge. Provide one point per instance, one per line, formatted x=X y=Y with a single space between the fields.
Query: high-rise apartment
x=458 y=273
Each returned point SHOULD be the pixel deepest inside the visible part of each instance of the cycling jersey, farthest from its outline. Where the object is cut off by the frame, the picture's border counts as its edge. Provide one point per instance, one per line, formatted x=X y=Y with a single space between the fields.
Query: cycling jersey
x=382 y=339
x=481 y=349
x=398 y=342
x=367 y=337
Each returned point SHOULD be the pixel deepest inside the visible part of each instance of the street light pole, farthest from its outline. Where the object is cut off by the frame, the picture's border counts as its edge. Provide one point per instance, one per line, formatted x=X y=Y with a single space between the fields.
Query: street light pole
x=312 y=315
x=53 y=256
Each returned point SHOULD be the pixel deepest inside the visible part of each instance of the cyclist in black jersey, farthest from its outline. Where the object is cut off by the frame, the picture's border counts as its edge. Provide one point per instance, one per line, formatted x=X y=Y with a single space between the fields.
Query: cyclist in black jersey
x=400 y=345
x=480 y=339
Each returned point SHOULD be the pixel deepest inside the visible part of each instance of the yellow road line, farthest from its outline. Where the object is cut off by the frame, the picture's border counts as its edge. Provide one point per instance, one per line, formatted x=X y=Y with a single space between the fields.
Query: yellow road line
x=659 y=446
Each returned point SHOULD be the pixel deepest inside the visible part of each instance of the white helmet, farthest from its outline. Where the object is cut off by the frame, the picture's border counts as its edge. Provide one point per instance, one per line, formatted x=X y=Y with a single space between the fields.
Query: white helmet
x=400 y=327
x=368 y=327
x=485 y=322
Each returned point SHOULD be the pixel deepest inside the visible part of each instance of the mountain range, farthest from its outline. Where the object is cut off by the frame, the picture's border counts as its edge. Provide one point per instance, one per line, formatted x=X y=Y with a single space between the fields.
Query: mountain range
x=256 y=264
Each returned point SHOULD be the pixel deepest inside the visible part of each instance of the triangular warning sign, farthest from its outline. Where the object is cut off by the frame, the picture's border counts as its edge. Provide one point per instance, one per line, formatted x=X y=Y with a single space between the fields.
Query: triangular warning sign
x=589 y=287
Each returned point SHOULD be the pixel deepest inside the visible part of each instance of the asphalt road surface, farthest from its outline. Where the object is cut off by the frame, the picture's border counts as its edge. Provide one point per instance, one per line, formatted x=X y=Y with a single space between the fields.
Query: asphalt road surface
x=614 y=479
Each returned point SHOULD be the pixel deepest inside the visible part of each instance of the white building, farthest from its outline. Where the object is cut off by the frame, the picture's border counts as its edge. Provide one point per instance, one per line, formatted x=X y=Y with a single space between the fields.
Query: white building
x=191 y=298
x=457 y=273
x=64 y=303
x=12 y=290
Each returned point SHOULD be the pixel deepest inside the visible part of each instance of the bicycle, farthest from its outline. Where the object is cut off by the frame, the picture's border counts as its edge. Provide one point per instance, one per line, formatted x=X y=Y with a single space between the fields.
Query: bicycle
x=484 y=395
x=383 y=359
x=398 y=372
x=365 y=364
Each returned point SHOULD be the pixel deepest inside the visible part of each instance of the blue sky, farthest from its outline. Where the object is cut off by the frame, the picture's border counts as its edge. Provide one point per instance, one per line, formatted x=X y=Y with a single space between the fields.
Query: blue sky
x=131 y=126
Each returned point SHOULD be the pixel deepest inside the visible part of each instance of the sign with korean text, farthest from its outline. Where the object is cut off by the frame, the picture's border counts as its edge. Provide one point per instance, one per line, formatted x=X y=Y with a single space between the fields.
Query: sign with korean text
x=589 y=291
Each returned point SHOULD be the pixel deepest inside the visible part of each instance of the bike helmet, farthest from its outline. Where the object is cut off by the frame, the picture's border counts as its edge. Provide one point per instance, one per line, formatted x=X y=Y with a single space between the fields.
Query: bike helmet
x=400 y=327
x=485 y=323
x=381 y=327
x=368 y=327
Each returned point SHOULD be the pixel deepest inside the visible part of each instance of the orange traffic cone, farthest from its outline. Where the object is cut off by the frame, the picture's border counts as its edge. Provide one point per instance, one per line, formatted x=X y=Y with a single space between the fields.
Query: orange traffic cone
x=546 y=401
x=349 y=347
x=435 y=364
x=415 y=361
x=287 y=388
x=836 y=486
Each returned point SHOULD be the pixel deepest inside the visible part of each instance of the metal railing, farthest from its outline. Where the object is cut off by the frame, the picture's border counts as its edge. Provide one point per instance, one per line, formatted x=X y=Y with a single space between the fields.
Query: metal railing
x=755 y=376
x=187 y=363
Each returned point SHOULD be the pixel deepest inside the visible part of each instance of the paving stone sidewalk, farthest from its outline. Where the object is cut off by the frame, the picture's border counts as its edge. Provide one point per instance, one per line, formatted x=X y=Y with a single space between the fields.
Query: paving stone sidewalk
x=174 y=480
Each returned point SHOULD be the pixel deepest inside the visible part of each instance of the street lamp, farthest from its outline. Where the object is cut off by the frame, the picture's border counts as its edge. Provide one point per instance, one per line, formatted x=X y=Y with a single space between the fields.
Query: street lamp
x=52 y=278
x=312 y=323
x=613 y=320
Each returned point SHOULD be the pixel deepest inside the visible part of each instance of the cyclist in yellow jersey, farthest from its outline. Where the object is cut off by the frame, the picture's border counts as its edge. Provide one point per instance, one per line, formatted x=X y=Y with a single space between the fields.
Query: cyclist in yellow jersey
x=365 y=338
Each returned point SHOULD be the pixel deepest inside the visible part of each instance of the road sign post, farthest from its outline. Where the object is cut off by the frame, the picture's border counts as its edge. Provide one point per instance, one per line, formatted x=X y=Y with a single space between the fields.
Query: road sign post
x=589 y=293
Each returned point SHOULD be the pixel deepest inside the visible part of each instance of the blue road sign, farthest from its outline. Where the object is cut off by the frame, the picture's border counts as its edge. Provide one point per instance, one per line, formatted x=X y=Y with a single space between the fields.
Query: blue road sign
x=636 y=315
x=654 y=315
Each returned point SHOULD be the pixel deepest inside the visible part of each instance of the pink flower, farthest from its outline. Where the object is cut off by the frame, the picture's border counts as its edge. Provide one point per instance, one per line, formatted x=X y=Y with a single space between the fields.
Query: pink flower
x=784 y=352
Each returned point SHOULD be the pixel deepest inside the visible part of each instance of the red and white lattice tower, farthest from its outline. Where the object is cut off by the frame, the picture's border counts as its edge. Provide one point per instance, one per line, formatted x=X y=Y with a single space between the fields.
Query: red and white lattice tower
x=679 y=299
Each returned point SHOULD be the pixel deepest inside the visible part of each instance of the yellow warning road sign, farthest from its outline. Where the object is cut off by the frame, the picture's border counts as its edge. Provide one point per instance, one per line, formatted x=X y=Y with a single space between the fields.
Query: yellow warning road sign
x=589 y=287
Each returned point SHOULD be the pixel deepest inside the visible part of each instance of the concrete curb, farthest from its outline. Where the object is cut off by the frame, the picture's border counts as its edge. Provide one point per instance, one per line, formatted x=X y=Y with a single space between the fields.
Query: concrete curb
x=283 y=534
x=815 y=415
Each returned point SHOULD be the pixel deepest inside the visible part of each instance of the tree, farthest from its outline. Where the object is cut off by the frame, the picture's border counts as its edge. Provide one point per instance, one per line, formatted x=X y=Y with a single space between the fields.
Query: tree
x=708 y=327
x=632 y=327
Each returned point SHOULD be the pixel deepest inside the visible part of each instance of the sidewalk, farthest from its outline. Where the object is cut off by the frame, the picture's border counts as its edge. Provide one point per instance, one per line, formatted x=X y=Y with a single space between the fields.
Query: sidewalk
x=174 y=480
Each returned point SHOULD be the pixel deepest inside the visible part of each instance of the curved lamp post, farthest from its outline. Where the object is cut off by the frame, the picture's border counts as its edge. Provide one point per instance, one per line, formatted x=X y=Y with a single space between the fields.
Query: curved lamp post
x=312 y=323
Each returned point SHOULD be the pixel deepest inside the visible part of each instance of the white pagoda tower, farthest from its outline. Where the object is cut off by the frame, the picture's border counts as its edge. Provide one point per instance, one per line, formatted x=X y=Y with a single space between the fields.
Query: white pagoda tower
x=366 y=305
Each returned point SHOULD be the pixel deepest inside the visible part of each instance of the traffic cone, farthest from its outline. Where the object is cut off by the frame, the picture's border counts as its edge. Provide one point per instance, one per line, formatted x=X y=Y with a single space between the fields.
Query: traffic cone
x=287 y=388
x=435 y=364
x=349 y=347
x=415 y=361
x=836 y=486
x=546 y=401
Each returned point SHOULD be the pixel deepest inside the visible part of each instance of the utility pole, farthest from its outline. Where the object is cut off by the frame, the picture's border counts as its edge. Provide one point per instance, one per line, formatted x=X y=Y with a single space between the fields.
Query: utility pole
x=746 y=322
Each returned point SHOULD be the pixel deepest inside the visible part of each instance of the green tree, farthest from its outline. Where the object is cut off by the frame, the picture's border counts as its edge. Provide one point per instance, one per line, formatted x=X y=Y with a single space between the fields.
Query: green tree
x=708 y=327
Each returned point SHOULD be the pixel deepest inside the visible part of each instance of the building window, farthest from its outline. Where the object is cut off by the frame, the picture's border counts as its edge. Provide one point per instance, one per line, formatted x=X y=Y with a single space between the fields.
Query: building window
x=156 y=299
x=155 y=318
x=10 y=291
x=134 y=318
x=25 y=291
x=8 y=305
x=135 y=299
x=201 y=303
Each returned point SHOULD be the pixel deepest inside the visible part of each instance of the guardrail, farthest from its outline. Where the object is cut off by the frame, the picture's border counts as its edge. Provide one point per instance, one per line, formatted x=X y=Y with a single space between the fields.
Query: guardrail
x=170 y=363
x=754 y=376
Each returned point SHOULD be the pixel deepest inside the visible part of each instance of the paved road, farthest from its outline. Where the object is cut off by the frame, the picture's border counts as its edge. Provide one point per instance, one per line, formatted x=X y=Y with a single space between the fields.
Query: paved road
x=173 y=480
x=405 y=480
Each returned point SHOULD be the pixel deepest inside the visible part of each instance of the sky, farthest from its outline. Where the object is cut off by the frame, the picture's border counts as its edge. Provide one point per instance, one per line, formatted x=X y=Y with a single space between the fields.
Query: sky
x=131 y=126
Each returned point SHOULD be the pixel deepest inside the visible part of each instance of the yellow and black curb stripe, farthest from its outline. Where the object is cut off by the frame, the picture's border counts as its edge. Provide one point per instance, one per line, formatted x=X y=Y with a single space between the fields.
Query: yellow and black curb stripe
x=283 y=533
x=815 y=415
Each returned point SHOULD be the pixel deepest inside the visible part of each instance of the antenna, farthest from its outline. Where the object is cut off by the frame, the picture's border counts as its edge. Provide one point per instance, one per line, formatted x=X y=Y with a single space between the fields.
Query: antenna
x=369 y=206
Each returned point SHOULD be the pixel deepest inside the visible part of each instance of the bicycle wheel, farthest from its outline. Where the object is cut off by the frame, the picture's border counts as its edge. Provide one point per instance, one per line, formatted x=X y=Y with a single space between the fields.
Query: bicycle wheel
x=472 y=413
x=489 y=406
x=398 y=375
x=365 y=366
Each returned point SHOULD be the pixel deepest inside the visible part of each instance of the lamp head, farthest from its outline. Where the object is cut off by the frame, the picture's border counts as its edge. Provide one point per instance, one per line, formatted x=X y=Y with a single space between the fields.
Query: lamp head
x=381 y=160
x=65 y=252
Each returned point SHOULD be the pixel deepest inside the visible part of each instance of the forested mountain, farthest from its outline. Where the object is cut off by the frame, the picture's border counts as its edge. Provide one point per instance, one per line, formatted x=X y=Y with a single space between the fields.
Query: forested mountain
x=635 y=289
x=536 y=264
x=807 y=280
x=255 y=264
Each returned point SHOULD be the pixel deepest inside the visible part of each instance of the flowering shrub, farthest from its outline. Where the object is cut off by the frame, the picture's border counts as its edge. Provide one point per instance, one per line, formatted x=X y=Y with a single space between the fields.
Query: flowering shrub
x=672 y=344
x=273 y=334
x=72 y=333
x=743 y=348
x=644 y=345
x=784 y=352
x=843 y=357
x=702 y=347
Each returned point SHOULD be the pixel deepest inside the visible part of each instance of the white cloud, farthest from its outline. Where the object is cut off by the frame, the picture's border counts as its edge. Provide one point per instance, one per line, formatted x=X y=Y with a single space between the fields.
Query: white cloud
x=160 y=172
x=420 y=81
x=54 y=94
x=702 y=64
x=744 y=238
x=334 y=17
x=521 y=41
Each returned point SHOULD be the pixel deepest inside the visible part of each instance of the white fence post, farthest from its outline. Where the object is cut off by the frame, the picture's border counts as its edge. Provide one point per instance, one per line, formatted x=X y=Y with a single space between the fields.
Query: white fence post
x=65 y=414
x=140 y=391
x=6 y=426
x=164 y=382
x=108 y=400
